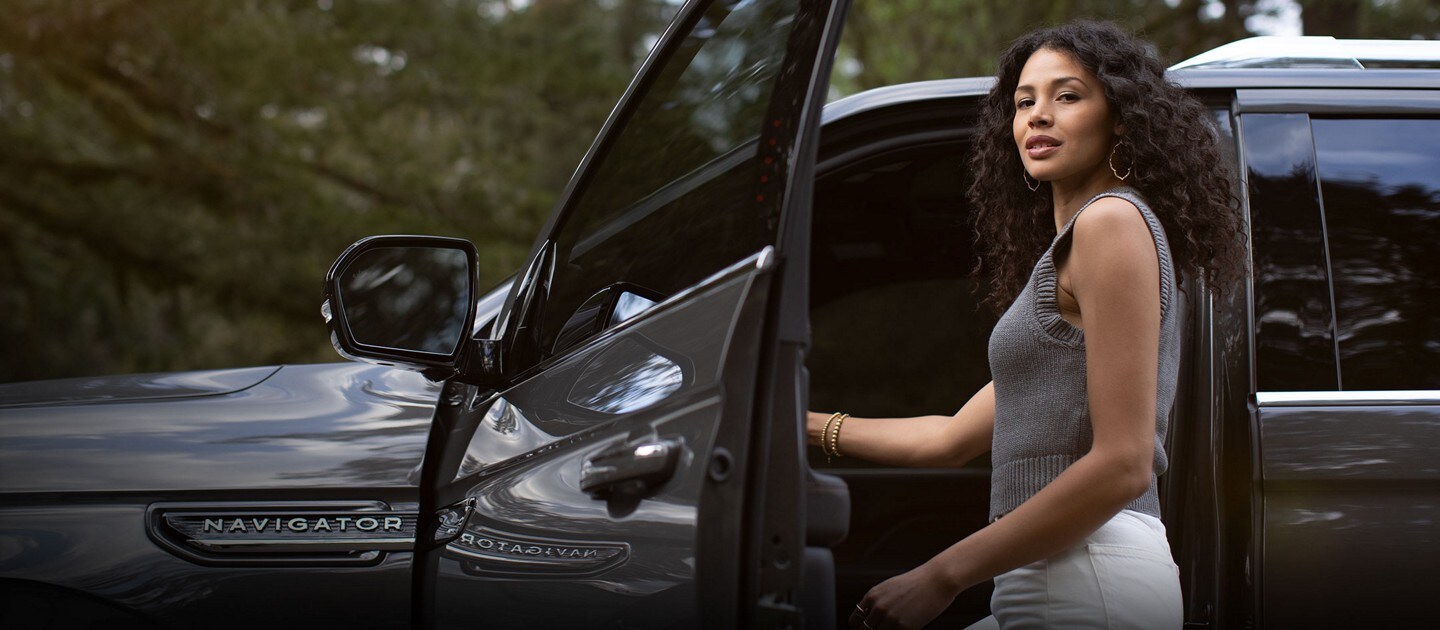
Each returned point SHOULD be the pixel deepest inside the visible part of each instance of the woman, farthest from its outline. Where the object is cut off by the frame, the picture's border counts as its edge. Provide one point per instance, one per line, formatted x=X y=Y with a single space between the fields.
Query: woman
x=1082 y=138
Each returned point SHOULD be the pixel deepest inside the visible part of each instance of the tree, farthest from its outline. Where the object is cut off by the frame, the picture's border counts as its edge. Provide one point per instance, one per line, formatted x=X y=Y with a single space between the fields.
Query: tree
x=1371 y=19
x=178 y=175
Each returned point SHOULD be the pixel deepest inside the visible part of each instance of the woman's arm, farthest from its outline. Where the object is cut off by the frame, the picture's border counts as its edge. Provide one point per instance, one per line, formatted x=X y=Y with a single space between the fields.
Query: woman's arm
x=1116 y=281
x=917 y=442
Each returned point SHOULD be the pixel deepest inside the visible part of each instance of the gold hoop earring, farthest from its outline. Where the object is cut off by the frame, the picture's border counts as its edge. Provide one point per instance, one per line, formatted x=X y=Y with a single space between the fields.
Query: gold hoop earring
x=1026 y=176
x=1128 y=169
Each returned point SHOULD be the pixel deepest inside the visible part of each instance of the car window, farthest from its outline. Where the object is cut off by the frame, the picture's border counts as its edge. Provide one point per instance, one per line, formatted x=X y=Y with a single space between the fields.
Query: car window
x=1294 y=346
x=682 y=191
x=1380 y=182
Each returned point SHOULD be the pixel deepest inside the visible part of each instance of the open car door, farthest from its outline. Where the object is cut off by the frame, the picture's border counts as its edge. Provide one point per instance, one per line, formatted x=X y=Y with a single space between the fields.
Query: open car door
x=644 y=465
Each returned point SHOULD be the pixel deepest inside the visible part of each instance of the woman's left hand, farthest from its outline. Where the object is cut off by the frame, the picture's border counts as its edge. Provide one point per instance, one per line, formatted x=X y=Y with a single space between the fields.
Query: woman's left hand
x=908 y=600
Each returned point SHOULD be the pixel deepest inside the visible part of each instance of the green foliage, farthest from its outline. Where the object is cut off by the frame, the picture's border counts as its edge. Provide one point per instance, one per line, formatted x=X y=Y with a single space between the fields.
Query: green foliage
x=1379 y=19
x=177 y=175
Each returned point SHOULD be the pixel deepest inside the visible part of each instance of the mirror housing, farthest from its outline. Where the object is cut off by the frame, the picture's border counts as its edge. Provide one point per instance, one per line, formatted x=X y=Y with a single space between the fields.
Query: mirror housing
x=409 y=302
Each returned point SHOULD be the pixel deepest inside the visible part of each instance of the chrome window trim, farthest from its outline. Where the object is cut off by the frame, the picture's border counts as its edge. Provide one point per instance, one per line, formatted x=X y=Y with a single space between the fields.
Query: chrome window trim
x=1374 y=397
x=1367 y=102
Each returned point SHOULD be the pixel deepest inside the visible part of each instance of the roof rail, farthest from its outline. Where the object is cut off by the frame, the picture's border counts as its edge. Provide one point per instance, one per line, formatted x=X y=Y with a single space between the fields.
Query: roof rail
x=1318 y=52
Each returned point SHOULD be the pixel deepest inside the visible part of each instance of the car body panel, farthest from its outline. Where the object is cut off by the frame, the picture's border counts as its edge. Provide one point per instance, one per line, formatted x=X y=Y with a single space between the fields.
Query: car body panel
x=80 y=479
x=131 y=387
x=97 y=547
x=1350 y=490
x=337 y=425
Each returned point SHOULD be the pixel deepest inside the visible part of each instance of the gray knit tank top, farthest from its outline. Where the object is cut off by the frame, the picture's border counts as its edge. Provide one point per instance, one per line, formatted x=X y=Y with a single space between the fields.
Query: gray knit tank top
x=1037 y=360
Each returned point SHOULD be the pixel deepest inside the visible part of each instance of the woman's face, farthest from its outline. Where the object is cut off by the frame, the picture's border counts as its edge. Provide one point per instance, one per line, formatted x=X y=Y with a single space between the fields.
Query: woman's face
x=1063 y=127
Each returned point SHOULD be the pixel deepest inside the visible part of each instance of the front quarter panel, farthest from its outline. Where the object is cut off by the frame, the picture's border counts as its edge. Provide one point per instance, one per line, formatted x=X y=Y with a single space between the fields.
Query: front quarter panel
x=78 y=480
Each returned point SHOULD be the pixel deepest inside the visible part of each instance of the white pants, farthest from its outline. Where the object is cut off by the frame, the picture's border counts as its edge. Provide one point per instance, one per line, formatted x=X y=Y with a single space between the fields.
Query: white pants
x=1121 y=576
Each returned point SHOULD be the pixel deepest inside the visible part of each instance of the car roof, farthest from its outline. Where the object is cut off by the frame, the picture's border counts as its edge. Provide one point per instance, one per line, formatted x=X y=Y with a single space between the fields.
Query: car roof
x=959 y=90
x=1318 y=52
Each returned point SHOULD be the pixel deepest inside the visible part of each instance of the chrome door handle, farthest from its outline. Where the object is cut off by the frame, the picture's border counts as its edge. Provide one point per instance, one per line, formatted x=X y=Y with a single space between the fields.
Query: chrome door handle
x=634 y=469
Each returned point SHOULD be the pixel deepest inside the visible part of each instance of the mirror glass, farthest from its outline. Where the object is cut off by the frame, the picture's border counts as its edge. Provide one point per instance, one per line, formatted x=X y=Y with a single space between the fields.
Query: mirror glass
x=408 y=298
x=629 y=305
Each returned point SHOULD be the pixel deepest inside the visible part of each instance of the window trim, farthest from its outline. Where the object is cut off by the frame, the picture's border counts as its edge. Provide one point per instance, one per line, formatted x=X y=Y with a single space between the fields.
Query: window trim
x=1367 y=102
x=1348 y=398
x=1252 y=292
x=1325 y=248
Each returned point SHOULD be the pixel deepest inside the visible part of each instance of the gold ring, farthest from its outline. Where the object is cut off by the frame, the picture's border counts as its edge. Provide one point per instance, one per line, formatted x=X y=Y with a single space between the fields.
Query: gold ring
x=860 y=609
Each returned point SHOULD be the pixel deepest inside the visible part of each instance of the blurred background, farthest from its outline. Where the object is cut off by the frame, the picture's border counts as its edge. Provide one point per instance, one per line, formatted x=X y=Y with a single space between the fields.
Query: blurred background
x=177 y=176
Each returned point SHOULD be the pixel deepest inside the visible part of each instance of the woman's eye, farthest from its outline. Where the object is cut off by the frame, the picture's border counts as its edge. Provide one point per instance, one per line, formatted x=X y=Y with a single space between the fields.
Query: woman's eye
x=1069 y=97
x=1024 y=102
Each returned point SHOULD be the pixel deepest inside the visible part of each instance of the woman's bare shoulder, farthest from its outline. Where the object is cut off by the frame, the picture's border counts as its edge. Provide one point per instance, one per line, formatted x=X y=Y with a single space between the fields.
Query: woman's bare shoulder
x=1112 y=239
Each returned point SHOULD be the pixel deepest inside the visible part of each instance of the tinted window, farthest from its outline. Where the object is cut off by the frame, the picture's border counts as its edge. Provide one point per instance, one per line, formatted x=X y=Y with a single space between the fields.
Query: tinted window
x=690 y=184
x=1380 y=180
x=1294 y=347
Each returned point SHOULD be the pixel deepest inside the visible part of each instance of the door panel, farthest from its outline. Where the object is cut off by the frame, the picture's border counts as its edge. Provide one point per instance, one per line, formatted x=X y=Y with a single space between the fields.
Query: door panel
x=537 y=540
x=1351 y=490
x=644 y=451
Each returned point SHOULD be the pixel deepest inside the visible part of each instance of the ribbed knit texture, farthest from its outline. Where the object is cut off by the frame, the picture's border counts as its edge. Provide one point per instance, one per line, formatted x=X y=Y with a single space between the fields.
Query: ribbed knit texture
x=1037 y=359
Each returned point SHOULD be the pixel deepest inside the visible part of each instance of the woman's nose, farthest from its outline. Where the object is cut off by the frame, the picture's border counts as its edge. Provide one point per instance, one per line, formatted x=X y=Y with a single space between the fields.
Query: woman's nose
x=1039 y=117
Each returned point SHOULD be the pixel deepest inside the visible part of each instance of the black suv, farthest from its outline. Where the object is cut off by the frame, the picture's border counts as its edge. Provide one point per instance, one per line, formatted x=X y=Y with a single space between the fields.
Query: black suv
x=614 y=438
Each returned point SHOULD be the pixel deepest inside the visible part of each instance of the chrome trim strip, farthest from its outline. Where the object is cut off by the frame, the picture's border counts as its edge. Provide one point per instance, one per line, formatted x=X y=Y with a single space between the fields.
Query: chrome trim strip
x=282 y=545
x=1331 y=101
x=1383 y=397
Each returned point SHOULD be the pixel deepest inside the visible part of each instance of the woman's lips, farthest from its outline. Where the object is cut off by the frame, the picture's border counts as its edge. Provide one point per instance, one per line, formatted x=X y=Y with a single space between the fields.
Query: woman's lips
x=1042 y=151
x=1041 y=146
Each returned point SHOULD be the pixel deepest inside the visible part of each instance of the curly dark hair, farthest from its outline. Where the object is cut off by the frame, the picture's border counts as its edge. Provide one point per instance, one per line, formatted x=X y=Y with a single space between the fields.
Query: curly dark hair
x=1173 y=147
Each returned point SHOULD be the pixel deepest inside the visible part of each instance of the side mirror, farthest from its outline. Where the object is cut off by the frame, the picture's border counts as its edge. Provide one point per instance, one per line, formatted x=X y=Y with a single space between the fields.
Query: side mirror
x=610 y=306
x=409 y=301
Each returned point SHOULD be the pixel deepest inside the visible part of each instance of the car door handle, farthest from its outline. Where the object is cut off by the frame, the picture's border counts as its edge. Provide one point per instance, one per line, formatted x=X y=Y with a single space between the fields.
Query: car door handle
x=633 y=469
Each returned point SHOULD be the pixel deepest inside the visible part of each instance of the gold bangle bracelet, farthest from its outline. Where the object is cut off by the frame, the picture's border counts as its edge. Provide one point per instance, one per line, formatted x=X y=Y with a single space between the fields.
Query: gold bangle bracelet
x=825 y=435
x=835 y=440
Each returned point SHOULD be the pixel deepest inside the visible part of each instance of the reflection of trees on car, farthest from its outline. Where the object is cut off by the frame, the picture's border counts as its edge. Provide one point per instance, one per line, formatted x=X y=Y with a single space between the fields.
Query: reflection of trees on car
x=1382 y=211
